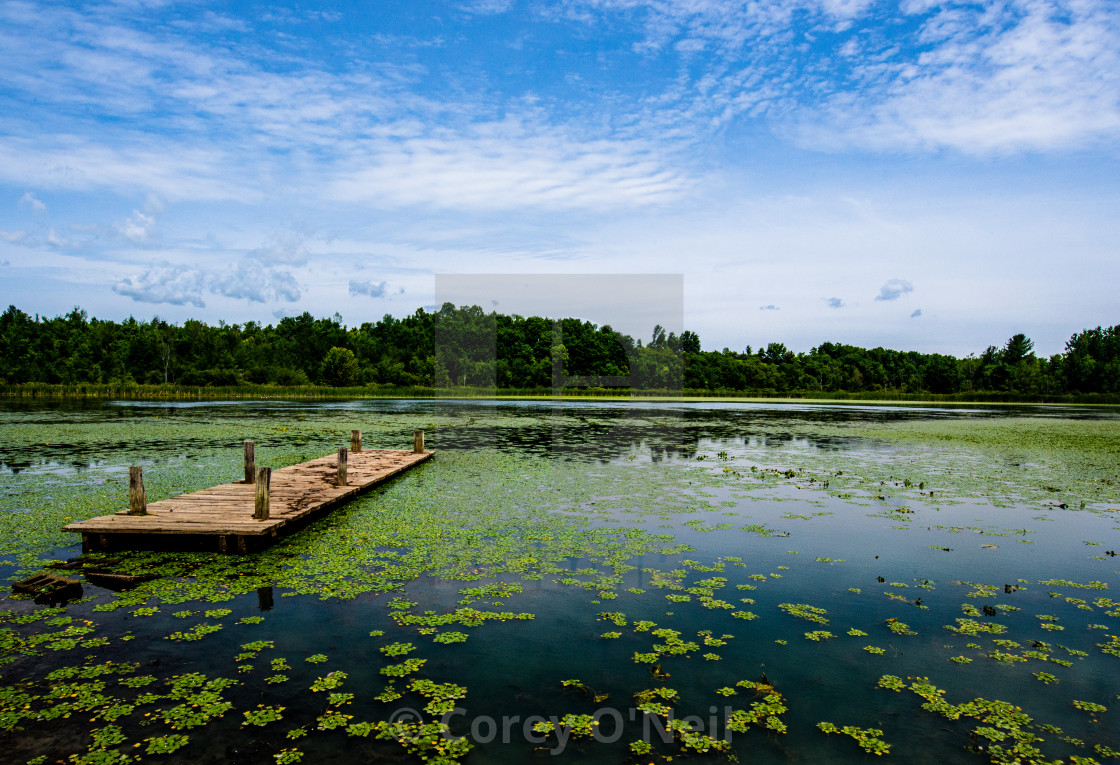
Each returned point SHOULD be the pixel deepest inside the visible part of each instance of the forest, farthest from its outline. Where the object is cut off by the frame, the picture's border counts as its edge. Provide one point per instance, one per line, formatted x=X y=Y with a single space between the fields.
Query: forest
x=467 y=348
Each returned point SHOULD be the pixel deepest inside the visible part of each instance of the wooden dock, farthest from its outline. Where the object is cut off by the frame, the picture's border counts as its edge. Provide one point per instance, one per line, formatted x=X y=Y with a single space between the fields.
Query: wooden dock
x=229 y=517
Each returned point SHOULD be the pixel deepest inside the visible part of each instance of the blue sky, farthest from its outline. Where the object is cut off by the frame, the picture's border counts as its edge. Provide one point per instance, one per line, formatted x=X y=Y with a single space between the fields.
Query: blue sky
x=916 y=175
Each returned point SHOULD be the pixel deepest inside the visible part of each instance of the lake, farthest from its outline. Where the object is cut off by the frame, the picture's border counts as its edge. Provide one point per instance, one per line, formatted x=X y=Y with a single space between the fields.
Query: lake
x=614 y=582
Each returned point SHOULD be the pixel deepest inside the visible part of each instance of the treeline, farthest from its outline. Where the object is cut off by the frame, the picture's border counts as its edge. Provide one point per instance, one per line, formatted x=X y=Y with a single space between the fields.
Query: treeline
x=466 y=347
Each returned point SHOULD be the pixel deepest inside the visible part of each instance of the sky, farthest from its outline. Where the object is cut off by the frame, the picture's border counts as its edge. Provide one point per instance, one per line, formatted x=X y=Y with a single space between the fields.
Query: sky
x=918 y=175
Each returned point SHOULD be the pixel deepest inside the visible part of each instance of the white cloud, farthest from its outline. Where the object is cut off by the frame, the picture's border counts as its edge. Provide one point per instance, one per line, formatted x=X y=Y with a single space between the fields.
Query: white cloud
x=174 y=171
x=29 y=200
x=284 y=248
x=510 y=164
x=247 y=279
x=251 y=281
x=176 y=285
x=894 y=289
x=13 y=237
x=984 y=78
x=216 y=125
x=368 y=288
x=845 y=9
x=195 y=120
x=137 y=228
x=486 y=7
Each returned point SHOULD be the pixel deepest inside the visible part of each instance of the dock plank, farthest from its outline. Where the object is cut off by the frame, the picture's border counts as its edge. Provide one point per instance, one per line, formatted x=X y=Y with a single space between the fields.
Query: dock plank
x=297 y=492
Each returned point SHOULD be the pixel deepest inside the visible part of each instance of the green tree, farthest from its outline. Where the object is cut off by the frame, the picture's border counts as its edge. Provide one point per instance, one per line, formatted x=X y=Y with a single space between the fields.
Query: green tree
x=1018 y=348
x=340 y=367
x=690 y=342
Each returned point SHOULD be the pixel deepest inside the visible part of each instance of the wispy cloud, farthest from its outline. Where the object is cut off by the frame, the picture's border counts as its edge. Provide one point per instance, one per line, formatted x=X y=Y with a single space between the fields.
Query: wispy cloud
x=97 y=99
x=137 y=228
x=894 y=289
x=174 y=171
x=486 y=7
x=769 y=307
x=993 y=76
x=29 y=201
x=983 y=78
x=283 y=247
x=509 y=164
x=355 y=134
x=372 y=289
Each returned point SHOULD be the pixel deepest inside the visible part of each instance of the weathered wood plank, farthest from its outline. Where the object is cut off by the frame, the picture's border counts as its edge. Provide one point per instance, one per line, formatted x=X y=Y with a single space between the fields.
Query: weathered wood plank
x=137 y=504
x=295 y=492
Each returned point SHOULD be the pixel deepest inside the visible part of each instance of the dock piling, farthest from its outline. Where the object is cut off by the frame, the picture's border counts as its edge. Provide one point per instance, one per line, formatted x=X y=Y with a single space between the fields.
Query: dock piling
x=355 y=441
x=418 y=441
x=343 y=454
x=264 y=486
x=137 y=502
x=250 y=462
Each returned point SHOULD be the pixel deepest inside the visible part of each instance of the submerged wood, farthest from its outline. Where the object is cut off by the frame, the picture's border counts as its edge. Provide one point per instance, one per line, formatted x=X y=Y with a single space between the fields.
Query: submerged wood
x=114 y=581
x=49 y=585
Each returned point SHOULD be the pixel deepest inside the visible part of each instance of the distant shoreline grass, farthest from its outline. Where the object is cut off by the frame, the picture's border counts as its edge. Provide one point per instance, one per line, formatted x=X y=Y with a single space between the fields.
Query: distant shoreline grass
x=173 y=392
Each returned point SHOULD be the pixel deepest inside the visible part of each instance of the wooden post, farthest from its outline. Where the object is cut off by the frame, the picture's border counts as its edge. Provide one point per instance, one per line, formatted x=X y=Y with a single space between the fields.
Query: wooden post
x=264 y=481
x=343 y=456
x=418 y=441
x=355 y=441
x=264 y=598
x=250 y=462
x=137 y=503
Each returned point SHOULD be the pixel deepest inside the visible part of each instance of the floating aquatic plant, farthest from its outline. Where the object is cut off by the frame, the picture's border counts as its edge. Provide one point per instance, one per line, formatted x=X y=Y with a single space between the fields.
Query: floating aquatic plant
x=868 y=738
x=263 y=715
x=805 y=611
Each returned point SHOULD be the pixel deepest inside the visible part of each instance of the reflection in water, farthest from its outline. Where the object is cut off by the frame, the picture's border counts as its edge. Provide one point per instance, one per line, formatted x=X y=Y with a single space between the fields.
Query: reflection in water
x=564 y=429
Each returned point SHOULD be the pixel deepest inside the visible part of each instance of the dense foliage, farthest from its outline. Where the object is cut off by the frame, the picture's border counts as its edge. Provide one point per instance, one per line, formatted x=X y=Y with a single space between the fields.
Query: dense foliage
x=468 y=347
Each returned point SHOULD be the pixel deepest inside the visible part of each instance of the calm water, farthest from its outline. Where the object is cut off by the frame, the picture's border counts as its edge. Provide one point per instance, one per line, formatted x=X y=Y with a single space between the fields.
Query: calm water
x=584 y=509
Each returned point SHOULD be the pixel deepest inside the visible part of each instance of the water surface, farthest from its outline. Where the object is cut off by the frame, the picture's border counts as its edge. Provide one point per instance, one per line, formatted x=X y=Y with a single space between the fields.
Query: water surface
x=559 y=538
